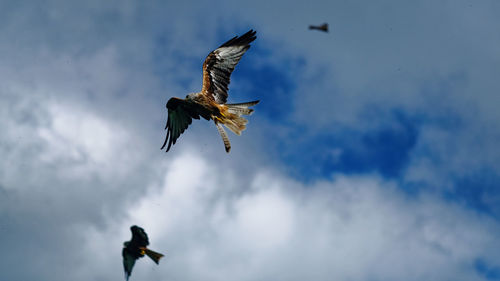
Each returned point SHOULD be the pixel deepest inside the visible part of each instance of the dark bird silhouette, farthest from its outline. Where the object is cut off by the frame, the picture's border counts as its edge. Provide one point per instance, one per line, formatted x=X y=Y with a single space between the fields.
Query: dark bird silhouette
x=136 y=248
x=210 y=102
x=323 y=27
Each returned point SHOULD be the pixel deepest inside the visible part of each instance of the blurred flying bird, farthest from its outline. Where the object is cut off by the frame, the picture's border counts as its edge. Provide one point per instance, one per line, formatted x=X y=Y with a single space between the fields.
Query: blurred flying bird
x=136 y=248
x=210 y=102
x=323 y=27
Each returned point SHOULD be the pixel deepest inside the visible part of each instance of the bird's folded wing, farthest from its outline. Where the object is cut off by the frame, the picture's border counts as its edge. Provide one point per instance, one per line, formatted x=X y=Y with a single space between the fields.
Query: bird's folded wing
x=220 y=63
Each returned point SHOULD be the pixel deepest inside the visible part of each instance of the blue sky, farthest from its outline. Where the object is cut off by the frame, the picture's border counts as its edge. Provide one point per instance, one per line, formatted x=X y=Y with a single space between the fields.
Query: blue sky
x=373 y=154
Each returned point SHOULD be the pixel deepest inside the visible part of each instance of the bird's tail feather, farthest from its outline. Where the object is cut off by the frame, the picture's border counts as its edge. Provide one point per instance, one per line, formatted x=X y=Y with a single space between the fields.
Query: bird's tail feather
x=223 y=134
x=233 y=120
x=241 y=108
x=235 y=123
x=154 y=255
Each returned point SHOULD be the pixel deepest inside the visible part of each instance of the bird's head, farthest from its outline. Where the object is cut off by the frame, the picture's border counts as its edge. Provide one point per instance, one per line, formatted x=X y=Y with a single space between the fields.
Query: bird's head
x=190 y=96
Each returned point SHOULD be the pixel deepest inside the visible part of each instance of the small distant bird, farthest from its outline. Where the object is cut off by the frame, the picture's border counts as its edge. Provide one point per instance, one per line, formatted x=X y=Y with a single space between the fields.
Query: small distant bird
x=323 y=27
x=136 y=248
x=210 y=102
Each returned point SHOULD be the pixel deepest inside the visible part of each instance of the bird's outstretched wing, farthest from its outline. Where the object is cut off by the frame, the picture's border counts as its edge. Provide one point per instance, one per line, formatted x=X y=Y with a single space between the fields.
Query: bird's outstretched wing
x=220 y=63
x=139 y=236
x=128 y=262
x=180 y=115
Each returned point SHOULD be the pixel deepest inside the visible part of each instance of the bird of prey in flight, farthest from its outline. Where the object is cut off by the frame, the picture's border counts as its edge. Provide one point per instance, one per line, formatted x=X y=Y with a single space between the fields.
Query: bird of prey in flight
x=323 y=27
x=136 y=248
x=210 y=102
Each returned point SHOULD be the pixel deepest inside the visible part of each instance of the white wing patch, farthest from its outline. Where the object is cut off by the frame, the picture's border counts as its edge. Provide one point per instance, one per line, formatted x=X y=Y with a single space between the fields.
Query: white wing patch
x=220 y=63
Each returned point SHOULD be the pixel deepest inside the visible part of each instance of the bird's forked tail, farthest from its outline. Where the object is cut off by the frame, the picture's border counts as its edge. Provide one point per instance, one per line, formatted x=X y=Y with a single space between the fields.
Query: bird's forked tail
x=233 y=120
x=153 y=255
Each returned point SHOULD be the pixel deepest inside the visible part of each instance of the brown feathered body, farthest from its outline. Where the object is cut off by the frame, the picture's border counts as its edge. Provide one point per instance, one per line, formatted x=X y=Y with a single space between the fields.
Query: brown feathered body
x=210 y=102
x=226 y=114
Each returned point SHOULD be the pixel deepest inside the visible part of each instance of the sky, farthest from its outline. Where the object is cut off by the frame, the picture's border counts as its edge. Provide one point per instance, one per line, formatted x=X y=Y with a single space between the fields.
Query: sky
x=373 y=154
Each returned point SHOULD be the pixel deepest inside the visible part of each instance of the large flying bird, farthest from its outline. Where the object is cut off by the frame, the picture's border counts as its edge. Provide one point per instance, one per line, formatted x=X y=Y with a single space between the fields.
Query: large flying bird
x=136 y=248
x=210 y=102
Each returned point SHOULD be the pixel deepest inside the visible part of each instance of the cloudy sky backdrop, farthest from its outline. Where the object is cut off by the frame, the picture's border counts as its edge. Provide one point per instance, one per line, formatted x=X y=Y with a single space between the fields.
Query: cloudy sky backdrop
x=373 y=154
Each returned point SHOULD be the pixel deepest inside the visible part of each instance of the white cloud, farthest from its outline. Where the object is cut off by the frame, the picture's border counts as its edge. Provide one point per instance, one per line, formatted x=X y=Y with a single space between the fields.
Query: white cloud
x=273 y=228
x=72 y=130
x=82 y=110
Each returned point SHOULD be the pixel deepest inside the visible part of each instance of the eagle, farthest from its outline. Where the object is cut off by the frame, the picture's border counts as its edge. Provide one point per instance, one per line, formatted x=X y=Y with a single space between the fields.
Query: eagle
x=210 y=102
x=136 y=248
x=323 y=27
